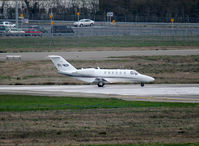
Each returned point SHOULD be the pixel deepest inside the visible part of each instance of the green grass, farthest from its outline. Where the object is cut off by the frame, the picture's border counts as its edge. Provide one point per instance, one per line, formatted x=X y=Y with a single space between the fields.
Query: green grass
x=43 y=44
x=3 y=77
x=27 y=103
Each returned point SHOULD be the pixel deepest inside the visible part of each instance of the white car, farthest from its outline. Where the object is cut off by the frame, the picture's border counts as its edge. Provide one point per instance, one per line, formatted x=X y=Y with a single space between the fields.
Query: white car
x=84 y=22
x=15 y=30
x=7 y=24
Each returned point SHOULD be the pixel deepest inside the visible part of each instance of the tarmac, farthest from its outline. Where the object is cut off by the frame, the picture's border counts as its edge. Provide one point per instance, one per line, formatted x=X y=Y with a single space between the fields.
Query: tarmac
x=95 y=55
x=188 y=93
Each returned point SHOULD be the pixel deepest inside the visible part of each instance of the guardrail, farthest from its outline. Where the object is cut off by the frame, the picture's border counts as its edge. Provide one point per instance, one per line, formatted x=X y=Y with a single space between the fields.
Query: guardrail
x=35 y=35
x=19 y=34
x=48 y=22
x=13 y=57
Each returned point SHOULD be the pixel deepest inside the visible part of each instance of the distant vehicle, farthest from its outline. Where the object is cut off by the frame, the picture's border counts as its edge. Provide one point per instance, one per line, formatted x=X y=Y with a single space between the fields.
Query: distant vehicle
x=40 y=28
x=33 y=32
x=15 y=30
x=84 y=22
x=62 y=29
x=3 y=29
x=8 y=24
x=99 y=76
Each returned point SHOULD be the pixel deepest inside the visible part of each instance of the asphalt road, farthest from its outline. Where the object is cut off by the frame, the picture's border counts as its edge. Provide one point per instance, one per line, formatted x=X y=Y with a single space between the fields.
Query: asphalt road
x=131 y=29
x=96 y=55
x=135 y=31
x=159 y=92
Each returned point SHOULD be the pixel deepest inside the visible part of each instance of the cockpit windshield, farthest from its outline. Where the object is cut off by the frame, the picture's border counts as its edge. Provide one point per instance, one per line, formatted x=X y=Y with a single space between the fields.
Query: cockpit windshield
x=134 y=72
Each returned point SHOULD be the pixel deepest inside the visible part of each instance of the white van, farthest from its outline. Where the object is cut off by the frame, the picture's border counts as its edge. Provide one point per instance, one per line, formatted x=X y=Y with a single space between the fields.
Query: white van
x=7 y=23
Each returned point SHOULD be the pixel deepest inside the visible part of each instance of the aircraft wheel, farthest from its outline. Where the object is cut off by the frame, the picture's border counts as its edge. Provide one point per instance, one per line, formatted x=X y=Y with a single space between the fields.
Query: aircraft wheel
x=142 y=84
x=100 y=84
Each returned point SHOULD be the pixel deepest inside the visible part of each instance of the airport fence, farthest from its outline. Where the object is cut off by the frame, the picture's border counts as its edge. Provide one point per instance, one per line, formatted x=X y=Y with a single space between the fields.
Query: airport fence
x=104 y=34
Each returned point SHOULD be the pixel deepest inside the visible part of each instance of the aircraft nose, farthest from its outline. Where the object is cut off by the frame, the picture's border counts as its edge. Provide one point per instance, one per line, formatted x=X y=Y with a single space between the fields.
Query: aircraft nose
x=149 y=79
x=152 y=79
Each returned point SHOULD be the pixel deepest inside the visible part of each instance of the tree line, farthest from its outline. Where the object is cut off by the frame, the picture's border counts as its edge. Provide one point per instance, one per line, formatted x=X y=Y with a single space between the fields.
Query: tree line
x=41 y=9
x=124 y=10
x=182 y=10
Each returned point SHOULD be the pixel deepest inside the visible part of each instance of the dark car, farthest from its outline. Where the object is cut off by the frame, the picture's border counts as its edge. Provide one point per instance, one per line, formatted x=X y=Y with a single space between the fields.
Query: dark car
x=3 y=29
x=62 y=29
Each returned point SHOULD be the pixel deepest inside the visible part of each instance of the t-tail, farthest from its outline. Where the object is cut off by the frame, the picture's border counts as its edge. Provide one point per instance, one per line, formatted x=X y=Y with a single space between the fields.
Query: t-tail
x=61 y=64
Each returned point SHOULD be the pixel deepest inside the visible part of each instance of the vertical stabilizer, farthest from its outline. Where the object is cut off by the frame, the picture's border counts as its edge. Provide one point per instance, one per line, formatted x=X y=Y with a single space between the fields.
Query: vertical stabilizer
x=61 y=64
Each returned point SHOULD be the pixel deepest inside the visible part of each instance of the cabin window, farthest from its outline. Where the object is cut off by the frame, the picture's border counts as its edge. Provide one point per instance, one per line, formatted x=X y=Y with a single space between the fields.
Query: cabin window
x=124 y=73
x=108 y=72
x=112 y=72
x=131 y=72
x=105 y=72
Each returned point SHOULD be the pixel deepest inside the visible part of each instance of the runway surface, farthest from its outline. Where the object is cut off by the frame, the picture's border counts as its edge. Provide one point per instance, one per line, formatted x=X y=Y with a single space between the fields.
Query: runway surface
x=98 y=55
x=154 y=92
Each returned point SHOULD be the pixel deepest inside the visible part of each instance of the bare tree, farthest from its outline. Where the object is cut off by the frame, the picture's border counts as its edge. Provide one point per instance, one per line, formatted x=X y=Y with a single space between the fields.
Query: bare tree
x=27 y=2
x=2 y=7
x=94 y=7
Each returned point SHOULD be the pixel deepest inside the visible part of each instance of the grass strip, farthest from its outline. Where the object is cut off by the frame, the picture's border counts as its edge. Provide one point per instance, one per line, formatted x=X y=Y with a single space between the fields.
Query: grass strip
x=42 y=44
x=34 y=103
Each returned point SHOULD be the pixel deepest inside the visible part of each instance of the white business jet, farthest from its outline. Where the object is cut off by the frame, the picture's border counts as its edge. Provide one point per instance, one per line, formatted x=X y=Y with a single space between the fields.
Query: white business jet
x=99 y=76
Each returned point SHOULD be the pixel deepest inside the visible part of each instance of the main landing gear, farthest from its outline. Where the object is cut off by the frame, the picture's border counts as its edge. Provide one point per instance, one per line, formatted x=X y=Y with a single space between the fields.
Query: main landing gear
x=142 y=84
x=100 y=84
